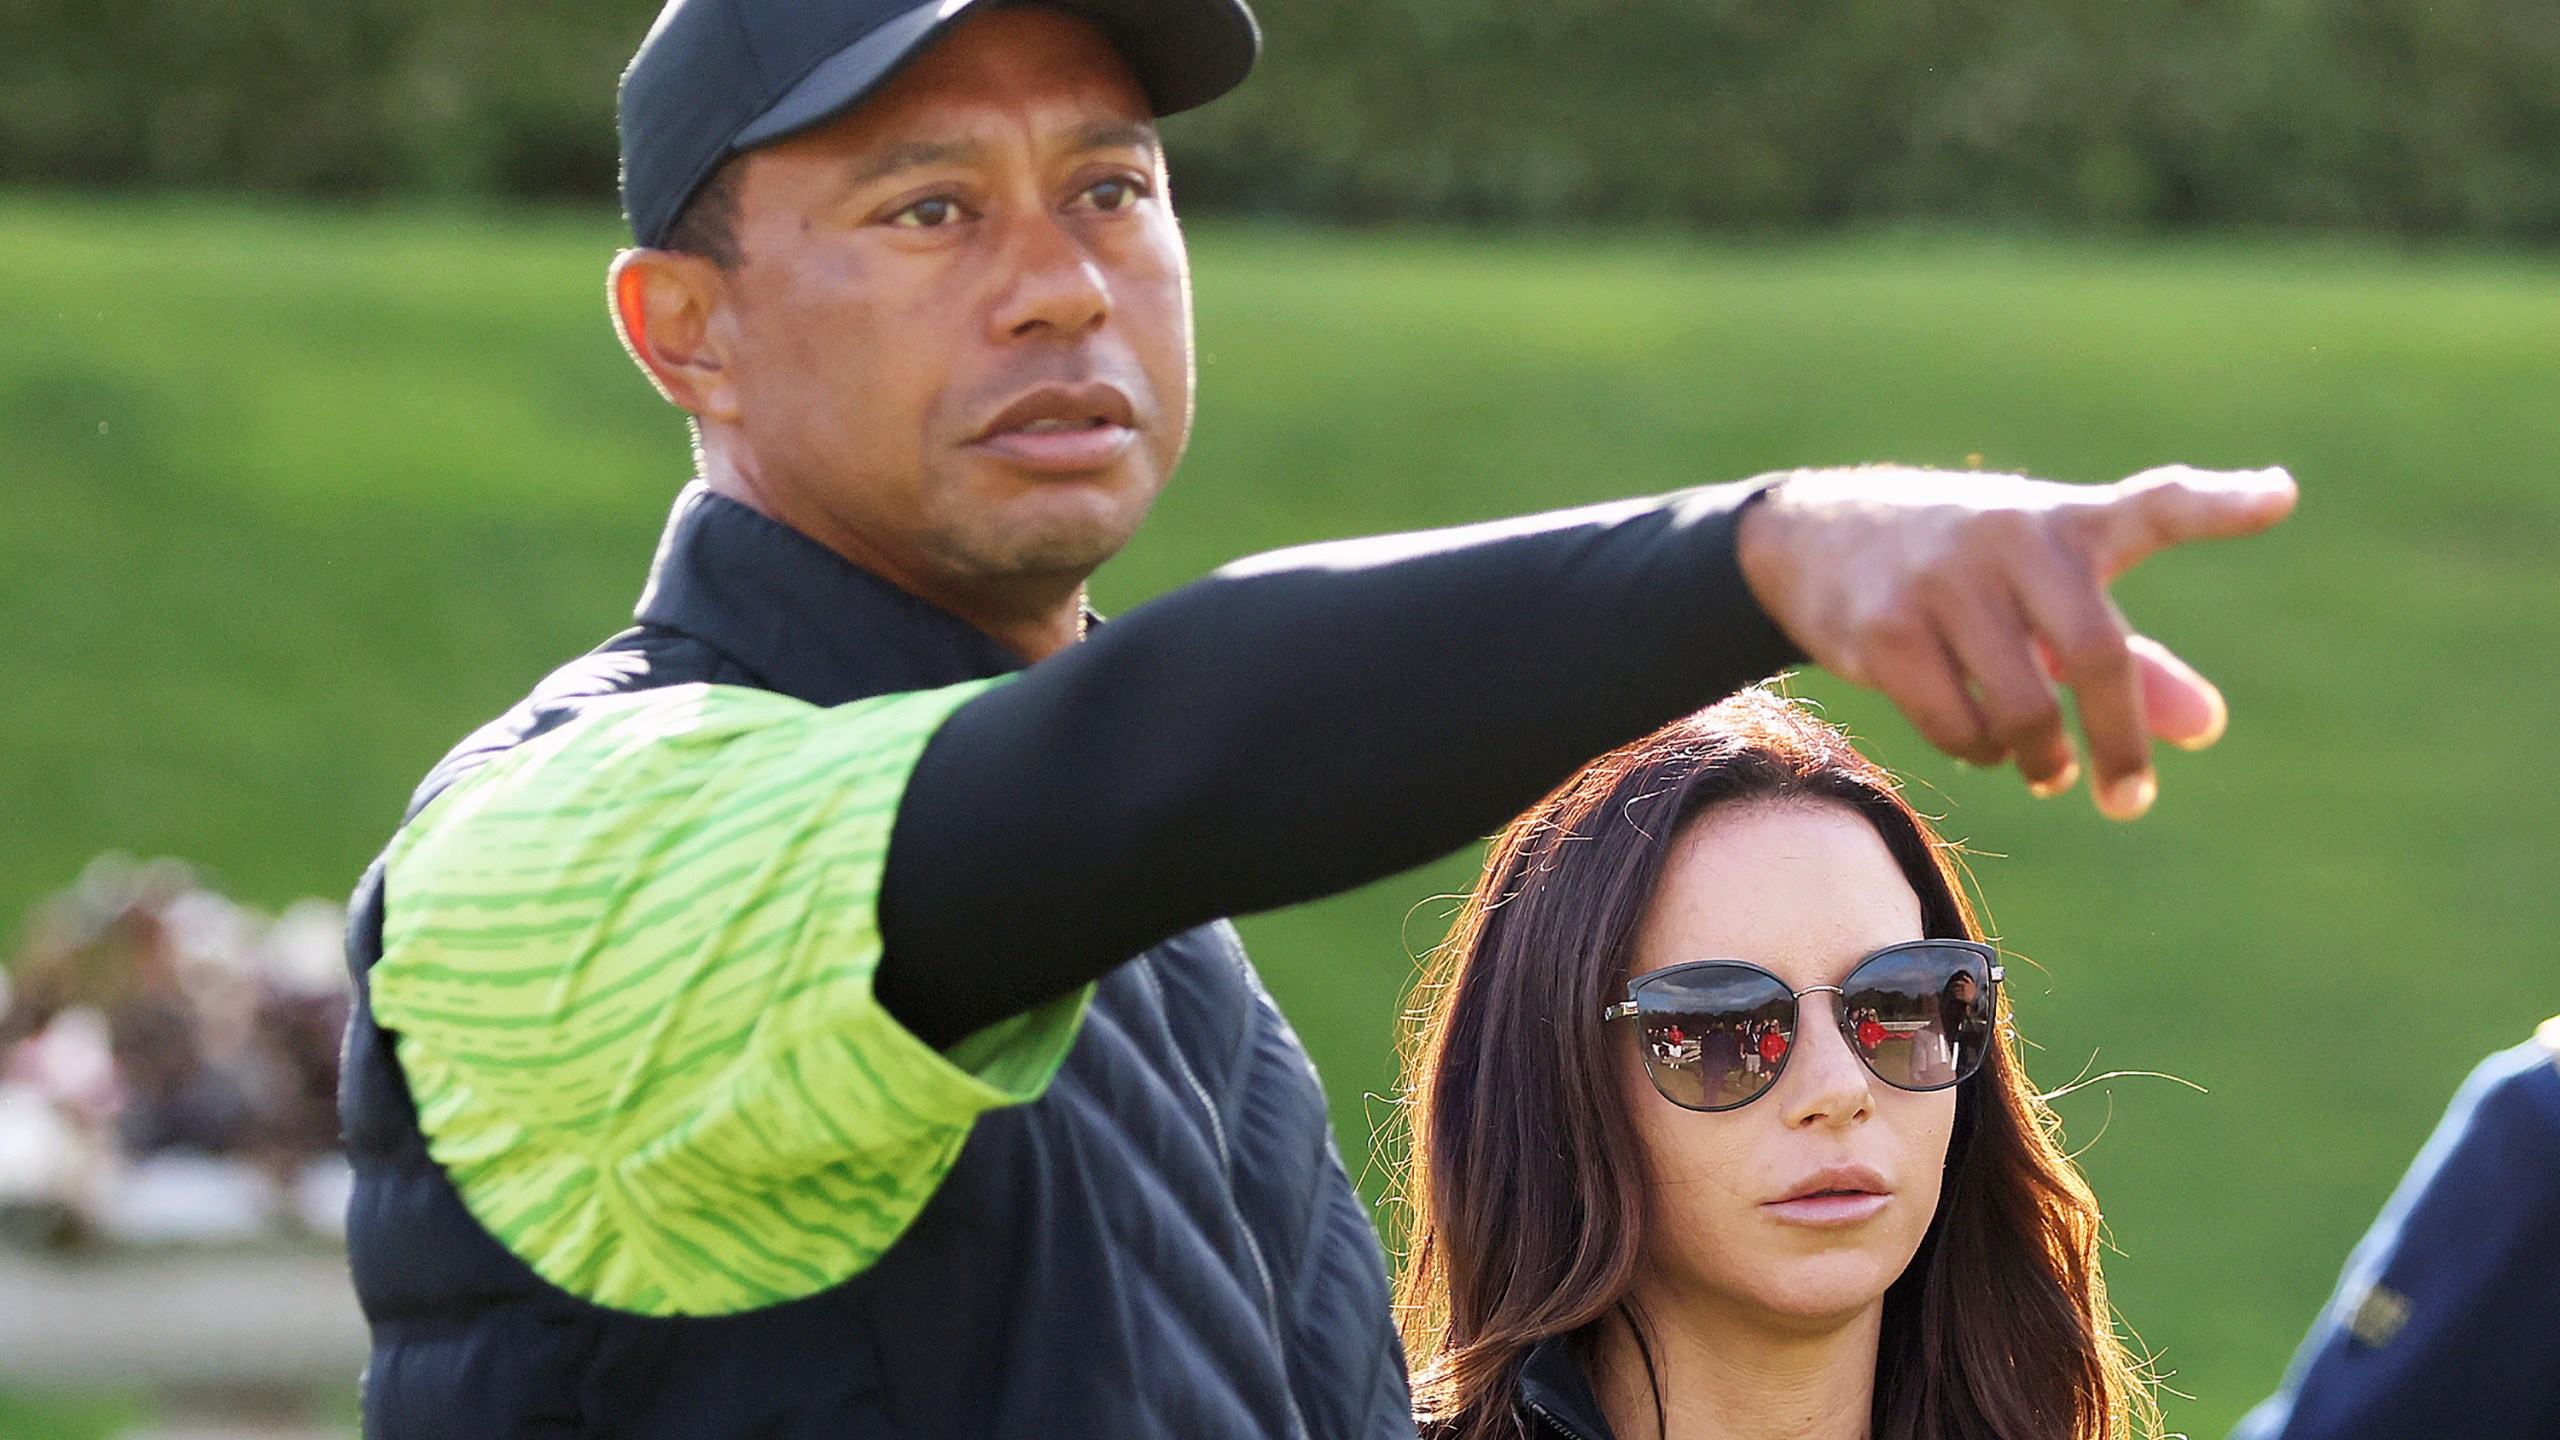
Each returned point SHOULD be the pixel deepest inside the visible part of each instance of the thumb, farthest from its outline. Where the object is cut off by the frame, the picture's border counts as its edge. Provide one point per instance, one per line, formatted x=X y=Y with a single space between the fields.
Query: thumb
x=2177 y=503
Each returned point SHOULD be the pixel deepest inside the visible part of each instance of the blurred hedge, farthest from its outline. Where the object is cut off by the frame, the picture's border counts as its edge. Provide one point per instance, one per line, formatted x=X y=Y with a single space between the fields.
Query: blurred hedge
x=2420 y=116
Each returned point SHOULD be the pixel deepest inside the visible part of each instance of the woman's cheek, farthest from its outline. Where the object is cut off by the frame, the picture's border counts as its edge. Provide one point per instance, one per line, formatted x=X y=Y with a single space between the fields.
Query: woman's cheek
x=1926 y=1125
x=1699 y=1214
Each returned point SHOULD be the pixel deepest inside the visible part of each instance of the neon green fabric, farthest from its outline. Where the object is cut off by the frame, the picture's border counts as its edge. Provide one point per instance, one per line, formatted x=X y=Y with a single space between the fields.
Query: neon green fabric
x=629 y=964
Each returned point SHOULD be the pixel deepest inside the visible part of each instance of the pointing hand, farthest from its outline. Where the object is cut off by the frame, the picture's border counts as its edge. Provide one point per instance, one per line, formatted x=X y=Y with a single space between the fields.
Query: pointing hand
x=1967 y=598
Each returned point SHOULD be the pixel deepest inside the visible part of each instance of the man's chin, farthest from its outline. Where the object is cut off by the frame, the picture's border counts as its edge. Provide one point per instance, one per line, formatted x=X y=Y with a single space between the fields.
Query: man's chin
x=1046 y=540
x=1053 y=526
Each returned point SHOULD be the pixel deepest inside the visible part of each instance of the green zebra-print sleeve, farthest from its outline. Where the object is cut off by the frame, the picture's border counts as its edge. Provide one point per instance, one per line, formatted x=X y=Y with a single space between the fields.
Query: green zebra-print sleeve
x=629 y=967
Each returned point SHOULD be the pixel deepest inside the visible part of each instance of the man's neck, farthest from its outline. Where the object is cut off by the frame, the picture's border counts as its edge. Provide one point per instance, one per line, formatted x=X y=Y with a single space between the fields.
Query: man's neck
x=1730 y=1376
x=1034 y=616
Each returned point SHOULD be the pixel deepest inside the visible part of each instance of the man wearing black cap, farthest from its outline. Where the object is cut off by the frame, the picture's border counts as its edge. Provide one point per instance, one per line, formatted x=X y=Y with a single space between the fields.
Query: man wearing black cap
x=749 y=1039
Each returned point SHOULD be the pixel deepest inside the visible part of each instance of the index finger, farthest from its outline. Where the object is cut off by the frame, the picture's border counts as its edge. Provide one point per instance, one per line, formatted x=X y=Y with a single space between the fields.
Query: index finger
x=2146 y=513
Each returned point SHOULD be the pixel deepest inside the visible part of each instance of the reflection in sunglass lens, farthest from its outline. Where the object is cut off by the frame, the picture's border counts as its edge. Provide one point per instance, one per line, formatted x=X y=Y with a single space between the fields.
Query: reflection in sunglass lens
x=1715 y=1036
x=1920 y=1015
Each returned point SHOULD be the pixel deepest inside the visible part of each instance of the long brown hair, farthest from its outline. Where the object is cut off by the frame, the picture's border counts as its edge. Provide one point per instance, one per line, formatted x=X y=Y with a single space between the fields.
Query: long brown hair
x=1525 y=1184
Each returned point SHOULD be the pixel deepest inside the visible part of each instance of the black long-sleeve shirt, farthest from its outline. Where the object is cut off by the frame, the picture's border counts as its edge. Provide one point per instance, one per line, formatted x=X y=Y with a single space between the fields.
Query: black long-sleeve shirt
x=1297 y=724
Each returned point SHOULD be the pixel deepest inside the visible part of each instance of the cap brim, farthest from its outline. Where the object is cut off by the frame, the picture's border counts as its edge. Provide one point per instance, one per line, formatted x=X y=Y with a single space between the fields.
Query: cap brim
x=1184 y=53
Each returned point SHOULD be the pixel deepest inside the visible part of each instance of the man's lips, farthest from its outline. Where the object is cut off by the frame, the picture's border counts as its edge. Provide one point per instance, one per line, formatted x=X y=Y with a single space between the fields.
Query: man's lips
x=1063 y=428
x=1836 y=1195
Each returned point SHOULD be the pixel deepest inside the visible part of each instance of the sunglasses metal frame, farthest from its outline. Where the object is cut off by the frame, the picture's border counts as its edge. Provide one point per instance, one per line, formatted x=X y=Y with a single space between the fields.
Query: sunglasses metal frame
x=1629 y=1008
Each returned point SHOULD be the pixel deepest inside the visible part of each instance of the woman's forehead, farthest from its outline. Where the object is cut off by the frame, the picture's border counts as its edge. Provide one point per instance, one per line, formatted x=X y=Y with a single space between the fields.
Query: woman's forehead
x=1804 y=889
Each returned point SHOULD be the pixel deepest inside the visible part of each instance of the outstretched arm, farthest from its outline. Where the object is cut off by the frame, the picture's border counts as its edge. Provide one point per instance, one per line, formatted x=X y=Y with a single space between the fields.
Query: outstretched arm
x=1306 y=721
x=1294 y=725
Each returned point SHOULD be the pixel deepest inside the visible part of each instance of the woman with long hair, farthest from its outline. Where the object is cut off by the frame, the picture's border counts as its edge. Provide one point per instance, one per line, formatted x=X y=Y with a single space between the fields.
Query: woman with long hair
x=1718 y=1129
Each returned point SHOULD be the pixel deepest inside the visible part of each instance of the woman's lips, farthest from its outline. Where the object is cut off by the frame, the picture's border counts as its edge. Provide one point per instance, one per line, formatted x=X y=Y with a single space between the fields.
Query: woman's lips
x=1838 y=1195
x=1830 y=1210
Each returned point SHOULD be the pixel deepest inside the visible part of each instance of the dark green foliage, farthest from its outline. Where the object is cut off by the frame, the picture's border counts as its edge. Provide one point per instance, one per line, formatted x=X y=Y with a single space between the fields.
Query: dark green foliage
x=318 y=96
x=2418 y=116
x=2405 y=114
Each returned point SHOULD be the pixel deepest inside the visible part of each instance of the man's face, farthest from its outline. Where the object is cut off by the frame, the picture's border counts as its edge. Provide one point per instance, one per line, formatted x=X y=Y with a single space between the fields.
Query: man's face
x=961 y=326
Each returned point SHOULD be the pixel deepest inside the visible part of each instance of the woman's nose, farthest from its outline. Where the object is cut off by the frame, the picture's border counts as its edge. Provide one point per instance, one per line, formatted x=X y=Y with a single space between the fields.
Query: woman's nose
x=1825 y=1082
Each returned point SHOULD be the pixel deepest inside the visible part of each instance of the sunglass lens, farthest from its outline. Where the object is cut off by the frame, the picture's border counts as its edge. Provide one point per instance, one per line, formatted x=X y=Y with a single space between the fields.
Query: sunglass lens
x=1920 y=1015
x=1714 y=1036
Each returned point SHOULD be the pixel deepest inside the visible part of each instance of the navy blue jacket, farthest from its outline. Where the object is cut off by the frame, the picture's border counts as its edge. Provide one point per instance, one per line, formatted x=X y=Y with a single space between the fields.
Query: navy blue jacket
x=2447 y=1319
x=1165 y=1243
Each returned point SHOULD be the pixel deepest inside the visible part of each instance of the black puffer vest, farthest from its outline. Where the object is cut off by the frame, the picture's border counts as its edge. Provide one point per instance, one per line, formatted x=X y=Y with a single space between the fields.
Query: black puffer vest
x=1165 y=1244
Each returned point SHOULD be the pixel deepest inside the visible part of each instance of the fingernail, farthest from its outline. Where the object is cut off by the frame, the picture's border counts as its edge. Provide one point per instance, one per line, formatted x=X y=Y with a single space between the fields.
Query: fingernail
x=2055 y=783
x=2130 y=797
x=2219 y=720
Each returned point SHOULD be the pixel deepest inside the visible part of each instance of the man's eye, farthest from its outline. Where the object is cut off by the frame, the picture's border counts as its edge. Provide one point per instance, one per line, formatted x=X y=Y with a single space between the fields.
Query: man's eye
x=1114 y=194
x=930 y=214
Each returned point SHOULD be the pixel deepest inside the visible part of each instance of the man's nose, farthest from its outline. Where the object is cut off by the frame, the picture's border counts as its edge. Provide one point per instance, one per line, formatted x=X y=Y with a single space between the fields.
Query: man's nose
x=1056 y=285
x=1825 y=1082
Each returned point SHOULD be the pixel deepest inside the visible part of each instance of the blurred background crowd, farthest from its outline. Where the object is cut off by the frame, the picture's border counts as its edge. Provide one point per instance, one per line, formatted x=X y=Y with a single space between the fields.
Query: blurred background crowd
x=169 y=1065
x=320 y=451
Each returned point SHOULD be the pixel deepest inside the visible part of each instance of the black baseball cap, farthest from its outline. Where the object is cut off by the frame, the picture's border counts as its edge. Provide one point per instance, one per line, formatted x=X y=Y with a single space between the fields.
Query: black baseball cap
x=716 y=77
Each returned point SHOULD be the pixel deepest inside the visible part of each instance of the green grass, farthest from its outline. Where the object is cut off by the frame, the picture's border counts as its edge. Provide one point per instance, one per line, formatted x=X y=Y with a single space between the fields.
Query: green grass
x=53 y=1417
x=295 y=498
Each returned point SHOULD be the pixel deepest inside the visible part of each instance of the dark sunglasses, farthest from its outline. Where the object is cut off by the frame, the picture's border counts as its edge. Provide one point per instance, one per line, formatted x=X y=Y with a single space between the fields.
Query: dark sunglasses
x=1717 y=1033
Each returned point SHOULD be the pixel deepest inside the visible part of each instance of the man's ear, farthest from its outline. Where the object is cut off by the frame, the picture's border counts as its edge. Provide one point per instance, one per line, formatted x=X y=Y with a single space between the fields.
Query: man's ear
x=668 y=308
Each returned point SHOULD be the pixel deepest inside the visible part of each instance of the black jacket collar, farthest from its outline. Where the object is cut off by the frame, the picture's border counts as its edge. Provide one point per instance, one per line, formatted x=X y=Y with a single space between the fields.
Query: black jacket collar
x=806 y=621
x=1555 y=1398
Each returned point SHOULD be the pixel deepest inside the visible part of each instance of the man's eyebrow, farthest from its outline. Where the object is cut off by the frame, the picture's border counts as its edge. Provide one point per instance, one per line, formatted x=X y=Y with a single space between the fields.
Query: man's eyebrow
x=918 y=154
x=1116 y=135
x=913 y=155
